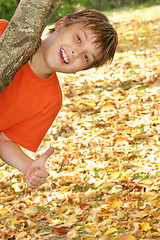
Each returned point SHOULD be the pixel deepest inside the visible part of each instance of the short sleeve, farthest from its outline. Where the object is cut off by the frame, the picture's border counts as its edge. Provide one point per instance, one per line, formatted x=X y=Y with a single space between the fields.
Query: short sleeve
x=30 y=133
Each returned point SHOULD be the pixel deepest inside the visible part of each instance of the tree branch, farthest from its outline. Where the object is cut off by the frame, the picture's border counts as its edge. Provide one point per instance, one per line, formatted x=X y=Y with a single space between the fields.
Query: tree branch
x=22 y=36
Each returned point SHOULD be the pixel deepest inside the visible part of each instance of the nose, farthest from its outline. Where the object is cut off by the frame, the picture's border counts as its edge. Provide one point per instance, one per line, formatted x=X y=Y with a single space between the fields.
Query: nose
x=77 y=51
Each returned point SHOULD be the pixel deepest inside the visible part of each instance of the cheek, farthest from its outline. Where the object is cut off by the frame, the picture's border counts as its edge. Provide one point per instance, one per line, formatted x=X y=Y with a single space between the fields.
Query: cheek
x=47 y=57
x=50 y=58
x=80 y=64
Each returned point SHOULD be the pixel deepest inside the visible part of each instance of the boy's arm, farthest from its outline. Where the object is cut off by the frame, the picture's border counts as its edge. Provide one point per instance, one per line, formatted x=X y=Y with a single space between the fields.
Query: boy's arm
x=13 y=155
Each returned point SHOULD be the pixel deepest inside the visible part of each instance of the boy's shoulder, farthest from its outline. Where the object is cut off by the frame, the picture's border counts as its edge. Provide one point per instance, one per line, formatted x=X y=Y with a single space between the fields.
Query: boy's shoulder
x=3 y=25
x=3 y=21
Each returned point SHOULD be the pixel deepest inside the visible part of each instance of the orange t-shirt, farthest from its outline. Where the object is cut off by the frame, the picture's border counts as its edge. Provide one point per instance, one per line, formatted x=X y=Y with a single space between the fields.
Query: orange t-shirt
x=29 y=105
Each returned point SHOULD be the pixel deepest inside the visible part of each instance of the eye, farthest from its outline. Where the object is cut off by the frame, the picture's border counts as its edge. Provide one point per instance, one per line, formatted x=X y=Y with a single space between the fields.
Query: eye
x=78 y=38
x=86 y=57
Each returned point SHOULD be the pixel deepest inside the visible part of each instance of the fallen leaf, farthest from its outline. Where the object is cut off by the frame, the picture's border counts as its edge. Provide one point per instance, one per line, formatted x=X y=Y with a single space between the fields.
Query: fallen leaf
x=62 y=231
x=64 y=189
x=3 y=211
x=127 y=236
x=145 y=226
x=31 y=211
x=115 y=203
x=21 y=235
x=110 y=231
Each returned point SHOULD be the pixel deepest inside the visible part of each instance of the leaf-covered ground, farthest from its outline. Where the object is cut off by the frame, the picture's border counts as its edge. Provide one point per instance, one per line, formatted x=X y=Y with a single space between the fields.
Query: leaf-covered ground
x=105 y=173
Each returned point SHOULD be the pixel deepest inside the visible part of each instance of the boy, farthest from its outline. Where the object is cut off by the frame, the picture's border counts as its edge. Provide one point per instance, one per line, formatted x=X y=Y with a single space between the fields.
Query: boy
x=29 y=105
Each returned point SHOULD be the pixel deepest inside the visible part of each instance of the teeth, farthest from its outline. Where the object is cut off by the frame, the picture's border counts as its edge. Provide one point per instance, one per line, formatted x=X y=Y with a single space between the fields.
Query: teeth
x=64 y=56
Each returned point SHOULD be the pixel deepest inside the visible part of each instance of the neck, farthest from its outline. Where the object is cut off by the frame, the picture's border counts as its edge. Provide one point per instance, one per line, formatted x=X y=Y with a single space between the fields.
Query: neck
x=38 y=65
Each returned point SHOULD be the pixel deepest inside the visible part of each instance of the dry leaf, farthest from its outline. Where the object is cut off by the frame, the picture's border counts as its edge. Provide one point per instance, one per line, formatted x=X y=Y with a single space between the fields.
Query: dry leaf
x=31 y=211
x=127 y=236
x=21 y=235
x=3 y=211
x=115 y=204
x=64 y=189
x=110 y=231
x=104 y=175
x=145 y=226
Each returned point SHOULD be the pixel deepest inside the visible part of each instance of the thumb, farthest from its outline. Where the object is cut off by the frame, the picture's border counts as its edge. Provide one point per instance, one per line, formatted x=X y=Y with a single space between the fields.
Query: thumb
x=43 y=158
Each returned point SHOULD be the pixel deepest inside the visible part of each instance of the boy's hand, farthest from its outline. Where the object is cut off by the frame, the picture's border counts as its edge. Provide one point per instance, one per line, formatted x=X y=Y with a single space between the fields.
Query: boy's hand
x=37 y=173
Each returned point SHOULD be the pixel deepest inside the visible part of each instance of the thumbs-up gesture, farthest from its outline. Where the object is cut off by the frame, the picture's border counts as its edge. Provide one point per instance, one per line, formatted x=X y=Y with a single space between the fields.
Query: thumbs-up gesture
x=37 y=173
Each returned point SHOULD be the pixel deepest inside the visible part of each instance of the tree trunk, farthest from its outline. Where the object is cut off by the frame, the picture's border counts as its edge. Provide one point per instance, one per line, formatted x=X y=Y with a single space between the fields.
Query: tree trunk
x=22 y=36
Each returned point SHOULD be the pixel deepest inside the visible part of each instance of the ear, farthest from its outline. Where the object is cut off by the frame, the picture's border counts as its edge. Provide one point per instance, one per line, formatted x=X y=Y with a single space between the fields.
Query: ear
x=60 y=24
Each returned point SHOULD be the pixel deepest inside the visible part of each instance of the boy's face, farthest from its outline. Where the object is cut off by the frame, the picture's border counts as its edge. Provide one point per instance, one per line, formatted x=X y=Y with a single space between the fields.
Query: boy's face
x=70 y=49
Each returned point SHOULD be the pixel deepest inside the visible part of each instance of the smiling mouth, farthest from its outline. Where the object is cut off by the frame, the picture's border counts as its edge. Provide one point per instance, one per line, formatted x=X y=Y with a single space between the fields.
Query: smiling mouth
x=64 y=56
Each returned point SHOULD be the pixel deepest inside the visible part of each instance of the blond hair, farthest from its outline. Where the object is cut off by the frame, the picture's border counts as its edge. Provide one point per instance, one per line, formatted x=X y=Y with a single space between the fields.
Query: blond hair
x=99 y=24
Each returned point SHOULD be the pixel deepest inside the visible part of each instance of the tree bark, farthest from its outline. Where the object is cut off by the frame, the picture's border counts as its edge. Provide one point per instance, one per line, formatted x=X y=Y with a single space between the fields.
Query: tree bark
x=22 y=36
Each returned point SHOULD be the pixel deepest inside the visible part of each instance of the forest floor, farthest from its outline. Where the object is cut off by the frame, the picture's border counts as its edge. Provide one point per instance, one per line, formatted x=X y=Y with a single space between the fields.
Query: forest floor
x=104 y=178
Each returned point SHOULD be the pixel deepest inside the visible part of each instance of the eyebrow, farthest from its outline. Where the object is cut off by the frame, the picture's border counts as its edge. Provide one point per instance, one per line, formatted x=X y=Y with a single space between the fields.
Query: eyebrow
x=86 y=37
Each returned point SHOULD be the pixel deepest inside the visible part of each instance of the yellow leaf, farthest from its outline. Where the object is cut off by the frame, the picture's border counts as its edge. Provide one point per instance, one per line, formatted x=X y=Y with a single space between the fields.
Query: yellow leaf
x=2 y=195
x=91 y=104
x=145 y=226
x=148 y=182
x=47 y=137
x=55 y=222
x=110 y=231
x=104 y=214
x=104 y=185
x=127 y=174
x=109 y=105
x=115 y=175
x=21 y=235
x=115 y=204
x=15 y=221
x=142 y=214
x=7 y=198
x=121 y=141
x=3 y=211
x=31 y=211
x=110 y=115
x=155 y=138
x=71 y=217
x=127 y=236
x=94 y=228
x=114 y=224
x=134 y=134
x=64 y=208
x=157 y=203
x=64 y=189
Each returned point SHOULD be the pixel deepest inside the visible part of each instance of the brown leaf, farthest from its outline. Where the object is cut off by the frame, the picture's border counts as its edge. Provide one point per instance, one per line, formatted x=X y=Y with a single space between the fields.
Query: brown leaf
x=62 y=231
x=127 y=236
